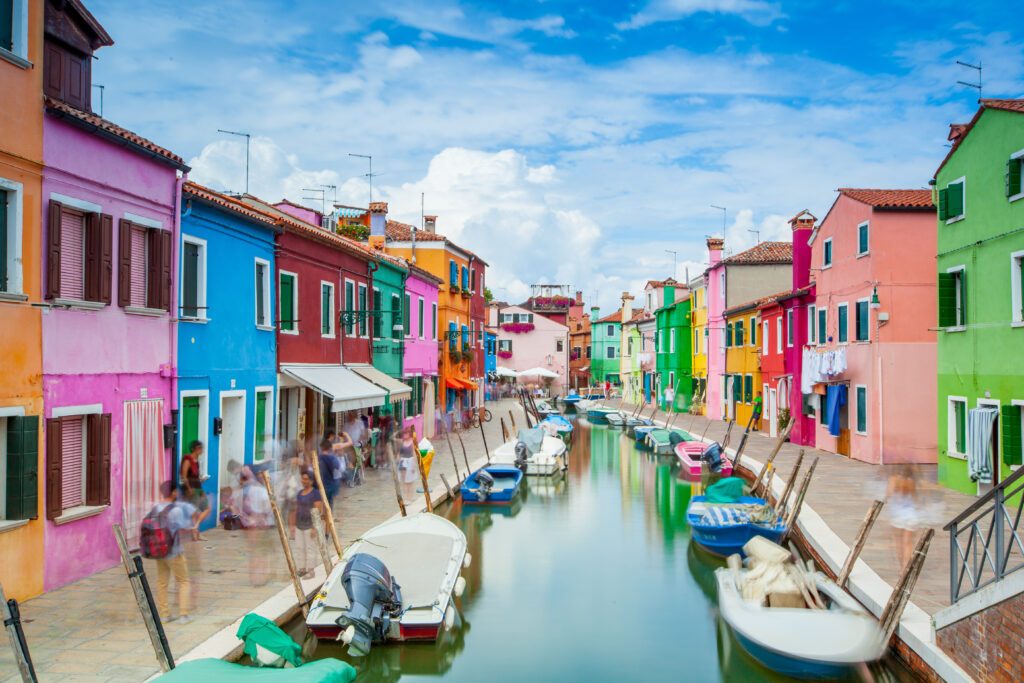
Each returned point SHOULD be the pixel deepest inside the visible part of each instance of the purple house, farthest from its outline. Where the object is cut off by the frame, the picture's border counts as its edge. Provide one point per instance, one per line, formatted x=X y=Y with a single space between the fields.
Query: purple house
x=110 y=224
x=795 y=307
x=419 y=359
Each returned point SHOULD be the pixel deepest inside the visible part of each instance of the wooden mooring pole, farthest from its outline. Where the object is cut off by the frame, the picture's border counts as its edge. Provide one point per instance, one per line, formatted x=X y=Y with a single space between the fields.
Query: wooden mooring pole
x=465 y=458
x=321 y=540
x=487 y=451
x=282 y=534
x=771 y=456
x=794 y=513
x=512 y=419
x=504 y=430
x=328 y=512
x=12 y=620
x=728 y=432
x=394 y=479
x=858 y=543
x=444 y=480
x=455 y=461
x=144 y=599
x=792 y=479
x=890 y=618
x=423 y=471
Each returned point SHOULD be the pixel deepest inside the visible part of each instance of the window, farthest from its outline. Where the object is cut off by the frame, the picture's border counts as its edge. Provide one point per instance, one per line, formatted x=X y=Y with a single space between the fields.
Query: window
x=812 y=320
x=826 y=253
x=326 y=309
x=862 y=239
x=453 y=274
x=505 y=345
x=952 y=203
x=696 y=341
x=822 y=412
x=862 y=408
x=77 y=459
x=610 y=352
x=1017 y=286
x=14 y=28
x=362 y=310
x=396 y=317
x=465 y=338
x=611 y=330
x=465 y=278
x=262 y=293
x=377 y=317
x=560 y=345
x=1013 y=428
x=728 y=335
x=10 y=235
x=748 y=388
x=433 y=321
x=778 y=334
x=288 y=302
x=953 y=298
x=589 y=350
x=144 y=268
x=753 y=331
x=842 y=315
x=264 y=424
x=19 y=468
x=1014 y=184
x=822 y=325
x=764 y=337
x=672 y=340
x=419 y=318
x=80 y=253
x=577 y=353
x=738 y=333
x=406 y=312
x=789 y=328
x=453 y=336
x=862 y=321
x=350 y=307
x=472 y=280
x=956 y=427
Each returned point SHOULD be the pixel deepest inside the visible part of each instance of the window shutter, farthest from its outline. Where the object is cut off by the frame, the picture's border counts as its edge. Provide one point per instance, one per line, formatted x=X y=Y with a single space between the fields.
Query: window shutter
x=92 y=257
x=7 y=24
x=97 y=481
x=54 y=466
x=153 y=269
x=53 y=250
x=106 y=257
x=287 y=299
x=963 y=298
x=165 y=269
x=1012 y=448
x=943 y=204
x=22 y=467
x=1013 y=168
x=124 y=263
x=955 y=199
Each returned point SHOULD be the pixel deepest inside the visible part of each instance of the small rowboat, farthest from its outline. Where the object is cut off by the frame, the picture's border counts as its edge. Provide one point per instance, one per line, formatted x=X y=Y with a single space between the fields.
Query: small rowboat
x=661 y=441
x=395 y=583
x=549 y=460
x=493 y=484
x=570 y=402
x=599 y=415
x=640 y=432
x=616 y=419
x=690 y=458
x=724 y=528
x=556 y=425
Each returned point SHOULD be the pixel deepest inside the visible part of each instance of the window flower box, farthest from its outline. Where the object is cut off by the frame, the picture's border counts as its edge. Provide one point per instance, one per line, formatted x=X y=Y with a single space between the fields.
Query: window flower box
x=504 y=354
x=518 y=328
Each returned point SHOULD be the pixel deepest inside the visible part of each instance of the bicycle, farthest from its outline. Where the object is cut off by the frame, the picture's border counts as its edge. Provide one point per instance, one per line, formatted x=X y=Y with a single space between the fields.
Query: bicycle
x=481 y=414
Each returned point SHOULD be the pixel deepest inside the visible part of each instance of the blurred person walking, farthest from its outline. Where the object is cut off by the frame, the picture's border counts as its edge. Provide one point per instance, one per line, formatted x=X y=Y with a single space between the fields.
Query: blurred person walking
x=160 y=540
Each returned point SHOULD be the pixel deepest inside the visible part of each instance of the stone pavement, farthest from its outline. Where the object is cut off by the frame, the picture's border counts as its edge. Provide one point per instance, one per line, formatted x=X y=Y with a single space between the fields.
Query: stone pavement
x=841 y=493
x=91 y=630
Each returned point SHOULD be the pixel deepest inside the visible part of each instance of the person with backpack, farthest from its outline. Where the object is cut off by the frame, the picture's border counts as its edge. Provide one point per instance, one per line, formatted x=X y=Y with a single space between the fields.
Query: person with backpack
x=160 y=540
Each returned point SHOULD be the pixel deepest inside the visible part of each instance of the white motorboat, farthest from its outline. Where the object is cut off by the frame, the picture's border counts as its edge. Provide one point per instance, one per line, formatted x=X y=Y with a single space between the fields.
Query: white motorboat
x=551 y=457
x=396 y=582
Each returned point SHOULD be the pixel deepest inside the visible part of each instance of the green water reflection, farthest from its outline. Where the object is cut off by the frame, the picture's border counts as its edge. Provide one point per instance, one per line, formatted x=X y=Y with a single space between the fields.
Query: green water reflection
x=587 y=577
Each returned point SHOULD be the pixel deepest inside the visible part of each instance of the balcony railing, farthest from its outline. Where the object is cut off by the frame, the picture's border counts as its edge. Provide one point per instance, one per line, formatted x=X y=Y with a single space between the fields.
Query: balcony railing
x=985 y=541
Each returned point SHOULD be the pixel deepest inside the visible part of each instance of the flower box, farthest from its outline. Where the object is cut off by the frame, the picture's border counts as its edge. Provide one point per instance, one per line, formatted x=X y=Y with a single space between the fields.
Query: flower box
x=504 y=354
x=518 y=328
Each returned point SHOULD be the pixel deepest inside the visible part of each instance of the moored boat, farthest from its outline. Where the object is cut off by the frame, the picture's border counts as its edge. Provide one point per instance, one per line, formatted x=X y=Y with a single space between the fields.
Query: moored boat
x=616 y=418
x=570 y=401
x=556 y=425
x=395 y=583
x=694 y=455
x=663 y=441
x=597 y=415
x=493 y=484
x=724 y=528
x=539 y=456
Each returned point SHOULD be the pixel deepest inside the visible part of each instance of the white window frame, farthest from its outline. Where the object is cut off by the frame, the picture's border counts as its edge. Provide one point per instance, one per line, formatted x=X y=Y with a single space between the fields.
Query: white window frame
x=961 y=325
x=334 y=305
x=867 y=410
x=867 y=226
x=18 y=55
x=268 y=420
x=827 y=250
x=778 y=335
x=672 y=340
x=846 y=306
x=1018 y=155
x=812 y=325
x=295 y=300
x=867 y=325
x=15 y=235
x=204 y=428
x=789 y=328
x=765 y=339
x=1016 y=287
x=433 y=318
x=951 y=427
x=963 y=213
x=201 y=277
x=268 y=319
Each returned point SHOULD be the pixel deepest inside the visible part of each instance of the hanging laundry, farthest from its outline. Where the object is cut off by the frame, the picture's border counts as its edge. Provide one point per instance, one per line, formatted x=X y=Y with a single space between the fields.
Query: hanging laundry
x=835 y=399
x=979 y=444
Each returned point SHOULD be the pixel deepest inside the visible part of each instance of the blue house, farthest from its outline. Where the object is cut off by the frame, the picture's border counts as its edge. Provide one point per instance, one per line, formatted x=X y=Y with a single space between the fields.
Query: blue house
x=227 y=349
x=490 y=361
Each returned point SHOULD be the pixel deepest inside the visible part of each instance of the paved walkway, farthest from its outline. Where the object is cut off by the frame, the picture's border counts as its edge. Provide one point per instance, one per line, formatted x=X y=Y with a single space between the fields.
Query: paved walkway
x=842 y=491
x=91 y=630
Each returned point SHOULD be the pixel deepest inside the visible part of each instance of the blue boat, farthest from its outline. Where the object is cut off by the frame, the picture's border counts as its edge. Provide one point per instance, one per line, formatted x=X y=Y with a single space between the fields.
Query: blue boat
x=599 y=415
x=571 y=400
x=493 y=484
x=561 y=426
x=640 y=433
x=723 y=529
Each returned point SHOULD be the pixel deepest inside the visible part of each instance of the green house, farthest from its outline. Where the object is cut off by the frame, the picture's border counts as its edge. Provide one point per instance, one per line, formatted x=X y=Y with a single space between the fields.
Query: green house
x=606 y=341
x=981 y=307
x=673 y=343
x=390 y=321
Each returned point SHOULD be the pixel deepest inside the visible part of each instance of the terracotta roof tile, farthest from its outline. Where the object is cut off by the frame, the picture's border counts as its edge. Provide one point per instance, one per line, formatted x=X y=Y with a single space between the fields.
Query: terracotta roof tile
x=765 y=253
x=402 y=232
x=226 y=202
x=891 y=199
x=1016 y=105
x=93 y=122
x=614 y=317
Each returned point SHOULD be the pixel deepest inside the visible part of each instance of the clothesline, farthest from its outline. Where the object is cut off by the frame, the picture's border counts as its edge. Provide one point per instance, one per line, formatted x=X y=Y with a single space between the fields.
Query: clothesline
x=819 y=366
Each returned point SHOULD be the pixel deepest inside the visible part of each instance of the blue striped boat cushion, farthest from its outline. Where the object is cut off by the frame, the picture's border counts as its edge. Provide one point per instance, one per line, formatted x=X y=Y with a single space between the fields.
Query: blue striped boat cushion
x=718 y=515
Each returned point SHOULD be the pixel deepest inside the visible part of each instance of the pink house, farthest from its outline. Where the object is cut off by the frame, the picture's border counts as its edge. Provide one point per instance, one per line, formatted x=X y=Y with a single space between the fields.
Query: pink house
x=714 y=281
x=871 y=361
x=795 y=307
x=534 y=341
x=419 y=368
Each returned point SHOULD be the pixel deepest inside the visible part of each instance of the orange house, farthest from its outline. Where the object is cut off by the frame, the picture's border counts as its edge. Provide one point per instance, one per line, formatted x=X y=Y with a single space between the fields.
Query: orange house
x=456 y=333
x=21 y=365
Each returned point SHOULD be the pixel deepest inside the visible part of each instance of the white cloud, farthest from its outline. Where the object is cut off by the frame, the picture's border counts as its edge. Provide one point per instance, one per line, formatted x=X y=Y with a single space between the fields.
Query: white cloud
x=552 y=26
x=656 y=11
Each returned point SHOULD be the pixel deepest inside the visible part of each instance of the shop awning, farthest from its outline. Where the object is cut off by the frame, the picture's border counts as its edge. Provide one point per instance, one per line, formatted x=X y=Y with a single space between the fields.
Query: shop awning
x=469 y=384
x=346 y=389
x=398 y=390
x=454 y=383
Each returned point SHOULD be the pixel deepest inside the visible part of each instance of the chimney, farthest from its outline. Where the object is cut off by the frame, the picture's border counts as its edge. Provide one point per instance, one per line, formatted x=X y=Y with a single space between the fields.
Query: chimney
x=627 y=307
x=430 y=223
x=579 y=298
x=715 y=246
x=802 y=225
x=595 y=314
x=668 y=295
x=378 y=221
x=956 y=131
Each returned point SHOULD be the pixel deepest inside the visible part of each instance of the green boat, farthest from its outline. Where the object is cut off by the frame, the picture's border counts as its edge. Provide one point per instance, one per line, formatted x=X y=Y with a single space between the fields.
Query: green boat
x=660 y=440
x=320 y=671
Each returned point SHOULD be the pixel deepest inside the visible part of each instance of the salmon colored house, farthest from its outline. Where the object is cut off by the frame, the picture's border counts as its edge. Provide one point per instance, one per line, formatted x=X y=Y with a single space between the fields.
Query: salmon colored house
x=871 y=360
x=21 y=363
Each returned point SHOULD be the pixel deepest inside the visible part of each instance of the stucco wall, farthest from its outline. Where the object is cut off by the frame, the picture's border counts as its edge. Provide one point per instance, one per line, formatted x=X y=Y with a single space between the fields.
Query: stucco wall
x=538 y=348
x=747 y=283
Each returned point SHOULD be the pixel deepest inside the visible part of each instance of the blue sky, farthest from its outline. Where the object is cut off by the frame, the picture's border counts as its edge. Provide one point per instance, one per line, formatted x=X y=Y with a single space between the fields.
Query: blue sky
x=565 y=142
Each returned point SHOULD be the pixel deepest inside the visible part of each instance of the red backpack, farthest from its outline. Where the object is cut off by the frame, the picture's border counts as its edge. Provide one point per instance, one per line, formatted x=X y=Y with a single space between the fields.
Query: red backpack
x=155 y=538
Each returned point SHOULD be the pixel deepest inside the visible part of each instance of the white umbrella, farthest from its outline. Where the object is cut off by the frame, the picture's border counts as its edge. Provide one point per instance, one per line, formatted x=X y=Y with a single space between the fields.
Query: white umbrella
x=538 y=372
x=505 y=372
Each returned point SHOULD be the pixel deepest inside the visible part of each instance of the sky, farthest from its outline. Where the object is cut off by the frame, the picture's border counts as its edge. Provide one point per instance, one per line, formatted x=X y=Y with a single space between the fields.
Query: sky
x=564 y=142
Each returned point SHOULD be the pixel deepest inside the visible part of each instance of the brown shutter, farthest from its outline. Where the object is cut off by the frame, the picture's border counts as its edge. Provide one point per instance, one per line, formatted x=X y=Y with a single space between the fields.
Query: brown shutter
x=106 y=256
x=53 y=251
x=153 y=269
x=97 y=468
x=124 y=263
x=165 y=270
x=92 y=257
x=53 y=468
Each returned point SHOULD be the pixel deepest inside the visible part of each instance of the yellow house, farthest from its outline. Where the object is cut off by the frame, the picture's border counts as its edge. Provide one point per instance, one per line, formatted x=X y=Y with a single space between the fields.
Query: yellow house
x=742 y=362
x=699 y=323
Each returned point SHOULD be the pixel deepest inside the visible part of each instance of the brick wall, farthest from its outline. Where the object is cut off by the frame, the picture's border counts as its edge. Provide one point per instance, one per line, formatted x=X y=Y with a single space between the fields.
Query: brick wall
x=989 y=645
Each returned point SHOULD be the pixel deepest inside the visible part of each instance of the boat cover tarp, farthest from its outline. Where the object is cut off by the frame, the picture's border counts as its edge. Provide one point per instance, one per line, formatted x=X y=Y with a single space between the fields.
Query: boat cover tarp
x=265 y=642
x=533 y=438
x=727 y=490
x=320 y=671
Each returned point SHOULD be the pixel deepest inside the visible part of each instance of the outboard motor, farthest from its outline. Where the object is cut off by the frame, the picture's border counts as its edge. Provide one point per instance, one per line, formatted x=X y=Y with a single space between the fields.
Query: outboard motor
x=374 y=599
x=485 y=484
x=712 y=455
x=522 y=455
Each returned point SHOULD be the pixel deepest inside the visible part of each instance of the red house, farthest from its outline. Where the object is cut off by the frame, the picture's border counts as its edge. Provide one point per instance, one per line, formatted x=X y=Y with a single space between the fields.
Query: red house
x=478 y=320
x=774 y=380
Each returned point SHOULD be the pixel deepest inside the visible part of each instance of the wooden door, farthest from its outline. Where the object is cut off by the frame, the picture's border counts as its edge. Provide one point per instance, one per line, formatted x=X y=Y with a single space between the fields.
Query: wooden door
x=843 y=442
x=189 y=423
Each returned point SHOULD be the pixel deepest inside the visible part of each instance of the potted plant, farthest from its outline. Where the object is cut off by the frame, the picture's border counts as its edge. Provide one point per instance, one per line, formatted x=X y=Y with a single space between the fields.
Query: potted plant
x=783 y=419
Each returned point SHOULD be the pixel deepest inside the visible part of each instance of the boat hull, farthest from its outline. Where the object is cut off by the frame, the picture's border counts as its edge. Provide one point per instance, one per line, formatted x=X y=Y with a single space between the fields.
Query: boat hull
x=511 y=477
x=789 y=666
x=551 y=460
x=729 y=539
x=598 y=416
x=689 y=454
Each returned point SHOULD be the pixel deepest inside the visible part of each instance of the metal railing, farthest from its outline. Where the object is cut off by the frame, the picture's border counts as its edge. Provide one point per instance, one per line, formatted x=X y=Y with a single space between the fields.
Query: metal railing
x=985 y=540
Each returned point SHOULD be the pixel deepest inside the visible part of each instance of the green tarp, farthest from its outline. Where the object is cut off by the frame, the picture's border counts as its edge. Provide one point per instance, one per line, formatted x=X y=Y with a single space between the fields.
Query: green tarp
x=266 y=644
x=726 y=490
x=199 y=670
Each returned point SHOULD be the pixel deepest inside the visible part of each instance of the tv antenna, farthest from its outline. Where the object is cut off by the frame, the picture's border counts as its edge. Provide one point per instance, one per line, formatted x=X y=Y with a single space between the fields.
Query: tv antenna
x=370 y=174
x=976 y=67
x=757 y=236
x=248 y=139
x=322 y=197
x=675 y=255
x=102 y=88
x=722 y=209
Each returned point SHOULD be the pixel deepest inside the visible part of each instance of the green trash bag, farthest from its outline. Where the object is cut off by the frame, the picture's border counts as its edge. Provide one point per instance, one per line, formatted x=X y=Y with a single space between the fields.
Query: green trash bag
x=219 y=671
x=726 y=490
x=266 y=644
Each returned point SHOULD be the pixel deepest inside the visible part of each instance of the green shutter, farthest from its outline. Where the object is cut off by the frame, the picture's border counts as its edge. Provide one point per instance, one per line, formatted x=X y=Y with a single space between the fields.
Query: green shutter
x=259 y=450
x=396 y=315
x=287 y=299
x=960 y=416
x=1013 y=453
x=419 y=318
x=190 y=281
x=737 y=388
x=406 y=312
x=350 y=307
x=377 y=317
x=822 y=324
x=1013 y=186
x=7 y=24
x=843 y=324
x=325 y=309
x=955 y=199
x=22 y=467
x=943 y=204
x=748 y=388
x=362 y=310
x=753 y=332
x=728 y=335
x=962 y=318
x=862 y=239
x=862 y=321
x=862 y=409
x=947 y=299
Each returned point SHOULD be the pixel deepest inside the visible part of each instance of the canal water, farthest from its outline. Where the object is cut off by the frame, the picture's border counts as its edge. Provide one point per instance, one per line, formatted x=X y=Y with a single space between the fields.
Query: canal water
x=589 y=576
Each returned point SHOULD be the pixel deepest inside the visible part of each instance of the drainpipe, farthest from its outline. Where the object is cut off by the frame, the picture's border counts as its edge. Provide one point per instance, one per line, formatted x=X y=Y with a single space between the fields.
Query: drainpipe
x=371 y=268
x=172 y=327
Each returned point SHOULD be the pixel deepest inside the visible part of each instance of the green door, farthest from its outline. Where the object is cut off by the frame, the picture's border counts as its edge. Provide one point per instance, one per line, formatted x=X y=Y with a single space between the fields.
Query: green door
x=261 y=426
x=189 y=423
